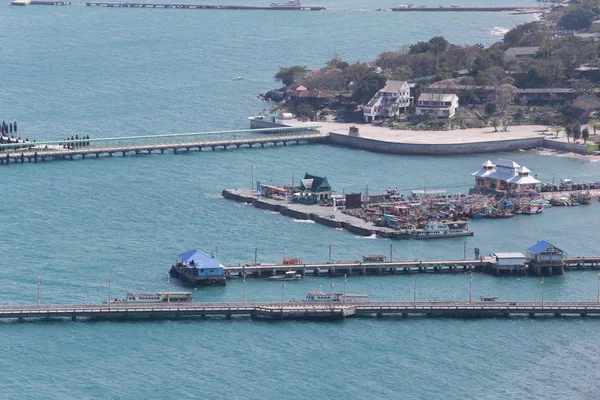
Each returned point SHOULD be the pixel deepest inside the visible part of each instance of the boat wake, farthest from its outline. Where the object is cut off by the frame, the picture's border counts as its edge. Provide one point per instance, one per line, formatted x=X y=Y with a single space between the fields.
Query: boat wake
x=305 y=221
x=373 y=236
x=498 y=31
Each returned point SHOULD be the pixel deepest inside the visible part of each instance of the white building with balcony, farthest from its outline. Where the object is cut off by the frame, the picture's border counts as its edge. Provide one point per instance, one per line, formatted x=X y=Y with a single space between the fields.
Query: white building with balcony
x=441 y=105
x=388 y=102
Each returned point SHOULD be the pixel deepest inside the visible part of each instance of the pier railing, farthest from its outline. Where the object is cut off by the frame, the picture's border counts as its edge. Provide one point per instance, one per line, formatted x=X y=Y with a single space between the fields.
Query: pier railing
x=134 y=142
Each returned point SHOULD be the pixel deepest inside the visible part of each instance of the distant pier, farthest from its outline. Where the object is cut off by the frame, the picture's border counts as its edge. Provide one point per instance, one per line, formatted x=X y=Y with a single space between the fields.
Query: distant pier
x=332 y=269
x=301 y=310
x=468 y=9
x=34 y=152
x=205 y=6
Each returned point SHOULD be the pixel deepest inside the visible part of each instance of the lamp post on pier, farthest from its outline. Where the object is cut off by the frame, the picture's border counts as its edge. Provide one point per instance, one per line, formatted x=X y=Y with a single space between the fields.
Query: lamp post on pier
x=414 y=291
x=244 y=287
x=345 y=288
x=470 y=288
x=109 y=296
x=252 y=181
x=331 y=293
x=282 y=286
x=598 y=288
x=169 y=287
x=38 y=293
x=542 y=292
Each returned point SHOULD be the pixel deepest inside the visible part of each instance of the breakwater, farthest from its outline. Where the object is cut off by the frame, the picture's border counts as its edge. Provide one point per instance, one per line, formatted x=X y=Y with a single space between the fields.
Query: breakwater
x=300 y=310
x=469 y=9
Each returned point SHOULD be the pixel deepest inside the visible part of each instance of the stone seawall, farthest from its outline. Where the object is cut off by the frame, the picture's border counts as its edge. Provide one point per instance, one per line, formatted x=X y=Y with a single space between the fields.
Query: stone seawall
x=434 y=149
x=562 y=146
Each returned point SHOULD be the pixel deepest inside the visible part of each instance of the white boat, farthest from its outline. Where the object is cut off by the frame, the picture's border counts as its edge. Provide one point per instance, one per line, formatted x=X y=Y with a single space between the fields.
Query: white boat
x=316 y=296
x=158 y=297
x=288 y=276
x=436 y=230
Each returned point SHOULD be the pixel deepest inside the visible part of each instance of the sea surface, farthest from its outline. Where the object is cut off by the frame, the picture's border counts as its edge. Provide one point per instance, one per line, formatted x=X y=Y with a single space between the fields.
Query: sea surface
x=108 y=72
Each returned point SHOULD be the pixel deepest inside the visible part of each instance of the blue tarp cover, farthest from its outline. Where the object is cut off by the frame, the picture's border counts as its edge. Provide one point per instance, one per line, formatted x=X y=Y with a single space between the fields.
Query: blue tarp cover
x=202 y=260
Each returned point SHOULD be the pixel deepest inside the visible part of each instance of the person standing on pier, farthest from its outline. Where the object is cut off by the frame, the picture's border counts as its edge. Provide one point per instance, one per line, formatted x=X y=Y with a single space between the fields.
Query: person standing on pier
x=15 y=125
x=10 y=127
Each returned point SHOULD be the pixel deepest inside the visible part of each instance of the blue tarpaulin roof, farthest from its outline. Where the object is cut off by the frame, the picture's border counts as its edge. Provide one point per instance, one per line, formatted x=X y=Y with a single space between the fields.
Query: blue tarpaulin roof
x=539 y=247
x=201 y=260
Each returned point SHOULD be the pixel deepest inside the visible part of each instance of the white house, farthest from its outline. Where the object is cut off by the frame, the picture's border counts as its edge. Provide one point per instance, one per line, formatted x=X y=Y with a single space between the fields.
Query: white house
x=442 y=105
x=388 y=101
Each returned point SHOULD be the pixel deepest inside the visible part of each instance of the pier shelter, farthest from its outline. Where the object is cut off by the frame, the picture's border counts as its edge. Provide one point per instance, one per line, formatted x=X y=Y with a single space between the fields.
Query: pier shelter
x=508 y=263
x=315 y=190
x=545 y=259
x=199 y=269
x=503 y=175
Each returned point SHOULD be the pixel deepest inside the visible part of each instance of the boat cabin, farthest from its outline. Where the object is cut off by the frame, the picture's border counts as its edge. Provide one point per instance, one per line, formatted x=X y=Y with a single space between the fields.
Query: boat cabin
x=374 y=258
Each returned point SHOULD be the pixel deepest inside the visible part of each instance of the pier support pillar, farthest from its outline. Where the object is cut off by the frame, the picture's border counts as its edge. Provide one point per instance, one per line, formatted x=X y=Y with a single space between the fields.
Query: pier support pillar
x=124 y=153
x=583 y=315
x=22 y=158
x=316 y=272
x=83 y=156
x=257 y=274
x=35 y=157
x=531 y=315
x=73 y=318
x=162 y=151
x=404 y=314
x=21 y=319
x=213 y=148
x=557 y=315
x=379 y=315
x=331 y=271
x=110 y=153
x=228 y=316
x=71 y=157
x=97 y=155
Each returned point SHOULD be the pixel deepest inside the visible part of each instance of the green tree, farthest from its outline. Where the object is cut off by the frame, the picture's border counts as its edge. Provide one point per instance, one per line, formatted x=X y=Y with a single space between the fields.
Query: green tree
x=576 y=131
x=337 y=62
x=289 y=75
x=495 y=122
x=595 y=124
x=557 y=130
x=529 y=34
x=577 y=18
x=585 y=134
x=367 y=87
x=569 y=132
x=490 y=108
x=419 y=48
x=571 y=113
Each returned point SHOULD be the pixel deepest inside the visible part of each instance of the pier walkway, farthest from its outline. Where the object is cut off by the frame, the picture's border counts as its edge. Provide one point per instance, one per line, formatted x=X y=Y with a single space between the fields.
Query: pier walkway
x=81 y=148
x=282 y=7
x=349 y=268
x=299 y=310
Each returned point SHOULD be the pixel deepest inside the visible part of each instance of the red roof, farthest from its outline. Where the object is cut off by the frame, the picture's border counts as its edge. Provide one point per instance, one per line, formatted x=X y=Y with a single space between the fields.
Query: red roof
x=301 y=87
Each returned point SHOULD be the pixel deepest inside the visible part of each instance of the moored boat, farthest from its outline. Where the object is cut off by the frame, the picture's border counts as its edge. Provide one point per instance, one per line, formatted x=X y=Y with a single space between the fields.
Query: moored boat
x=316 y=296
x=288 y=276
x=436 y=230
x=156 y=297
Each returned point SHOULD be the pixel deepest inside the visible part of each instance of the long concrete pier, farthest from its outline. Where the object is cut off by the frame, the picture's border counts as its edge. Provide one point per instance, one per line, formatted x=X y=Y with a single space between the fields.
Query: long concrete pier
x=34 y=152
x=469 y=9
x=282 y=7
x=300 y=310
x=485 y=265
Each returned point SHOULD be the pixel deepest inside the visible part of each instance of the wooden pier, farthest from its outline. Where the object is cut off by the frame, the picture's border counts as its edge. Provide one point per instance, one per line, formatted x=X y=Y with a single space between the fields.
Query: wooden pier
x=205 y=6
x=483 y=265
x=34 y=152
x=299 y=310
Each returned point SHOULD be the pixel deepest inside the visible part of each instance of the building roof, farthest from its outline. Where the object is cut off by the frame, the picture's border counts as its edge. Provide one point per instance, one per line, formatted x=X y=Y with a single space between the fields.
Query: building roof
x=507 y=171
x=395 y=86
x=540 y=247
x=200 y=259
x=437 y=97
x=314 y=94
x=522 y=51
x=301 y=87
x=314 y=183
x=509 y=255
x=488 y=163
x=506 y=163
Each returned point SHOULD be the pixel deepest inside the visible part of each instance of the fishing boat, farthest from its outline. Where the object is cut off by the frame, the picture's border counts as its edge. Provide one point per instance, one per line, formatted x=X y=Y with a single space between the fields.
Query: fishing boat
x=288 y=276
x=316 y=296
x=532 y=209
x=157 y=297
x=436 y=230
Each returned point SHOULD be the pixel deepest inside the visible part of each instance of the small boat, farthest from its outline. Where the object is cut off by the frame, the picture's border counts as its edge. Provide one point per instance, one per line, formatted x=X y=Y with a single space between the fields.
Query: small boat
x=531 y=210
x=239 y=78
x=316 y=296
x=157 y=297
x=437 y=229
x=288 y=276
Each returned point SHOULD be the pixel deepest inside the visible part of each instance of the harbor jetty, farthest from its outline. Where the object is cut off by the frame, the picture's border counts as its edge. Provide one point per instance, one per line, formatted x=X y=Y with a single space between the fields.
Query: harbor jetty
x=299 y=310
x=34 y=152
x=411 y=8
x=291 y=6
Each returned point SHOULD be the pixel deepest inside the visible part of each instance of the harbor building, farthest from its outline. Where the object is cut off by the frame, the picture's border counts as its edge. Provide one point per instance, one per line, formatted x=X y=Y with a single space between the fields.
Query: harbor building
x=508 y=263
x=545 y=259
x=388 y=102
x=314 y=190
x=443 y=105
x=503 y=175
x=198 y=269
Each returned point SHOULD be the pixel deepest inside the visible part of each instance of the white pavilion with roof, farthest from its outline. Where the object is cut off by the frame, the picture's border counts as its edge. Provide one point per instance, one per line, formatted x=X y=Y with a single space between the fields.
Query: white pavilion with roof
x=503 y=175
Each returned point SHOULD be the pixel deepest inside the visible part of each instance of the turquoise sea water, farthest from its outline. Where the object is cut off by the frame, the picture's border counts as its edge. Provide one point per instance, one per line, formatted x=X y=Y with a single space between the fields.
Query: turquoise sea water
x=106 y=72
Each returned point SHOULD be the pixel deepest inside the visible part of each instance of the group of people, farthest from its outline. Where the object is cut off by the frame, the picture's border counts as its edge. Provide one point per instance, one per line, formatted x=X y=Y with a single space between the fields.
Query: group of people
x=76 y=142
x=6 y=132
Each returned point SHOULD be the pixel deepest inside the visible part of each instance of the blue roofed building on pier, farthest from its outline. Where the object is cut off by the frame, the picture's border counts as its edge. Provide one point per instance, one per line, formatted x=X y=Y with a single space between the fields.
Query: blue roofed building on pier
x=198 y=268
x=545 y=259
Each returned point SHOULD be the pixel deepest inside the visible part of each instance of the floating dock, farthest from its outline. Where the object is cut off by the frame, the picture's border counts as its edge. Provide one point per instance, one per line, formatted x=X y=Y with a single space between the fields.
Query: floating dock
x=205 y=6
x=33 y=152
x=292 y=310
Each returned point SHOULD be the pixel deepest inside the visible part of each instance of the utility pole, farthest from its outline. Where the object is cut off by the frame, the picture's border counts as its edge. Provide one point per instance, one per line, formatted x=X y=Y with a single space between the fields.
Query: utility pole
x=344 y=288
x=391 y=252
x=169 y=287
x=244 y=286
x=282 y=286
x=542 y=292
x=252 y=181
x=415 y=292
x=329 y=254
x=470 y=288
x=109 y=296
x=465 y=251
x=255 y=255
